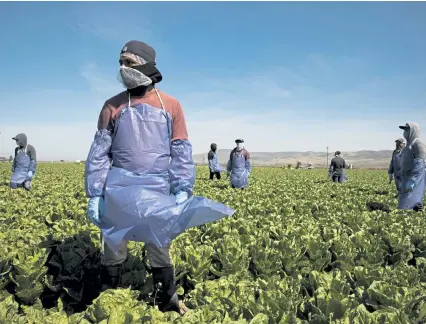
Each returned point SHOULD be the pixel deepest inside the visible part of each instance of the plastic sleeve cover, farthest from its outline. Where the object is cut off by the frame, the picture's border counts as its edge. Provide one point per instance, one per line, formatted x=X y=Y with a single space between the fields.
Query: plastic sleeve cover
x=182 y=167
x=331 y=169
x=248 y=165
x=97 y=164
x=14 y=161
x=418 y=170
x=33 y=166
x=229 y=166
x=390 y=170
x=419 y=150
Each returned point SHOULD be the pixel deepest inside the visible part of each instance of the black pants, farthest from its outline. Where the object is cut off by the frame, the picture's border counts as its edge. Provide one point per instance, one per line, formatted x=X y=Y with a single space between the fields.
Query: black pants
x=212 y=174
x=337 y=178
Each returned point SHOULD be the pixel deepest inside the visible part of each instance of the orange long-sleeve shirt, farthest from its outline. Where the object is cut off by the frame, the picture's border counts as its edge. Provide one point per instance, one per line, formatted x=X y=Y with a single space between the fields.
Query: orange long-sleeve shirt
x=113 y=106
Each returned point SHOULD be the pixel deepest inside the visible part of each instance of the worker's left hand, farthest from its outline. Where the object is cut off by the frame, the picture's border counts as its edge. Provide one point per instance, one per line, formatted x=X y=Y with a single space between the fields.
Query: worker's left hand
x=30 y=174
x=181 y=197
x=409 y=187
x=95 y=210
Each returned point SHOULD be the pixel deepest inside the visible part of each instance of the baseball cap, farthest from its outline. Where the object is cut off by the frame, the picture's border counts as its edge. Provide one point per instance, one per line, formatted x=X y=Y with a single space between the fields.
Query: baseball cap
x=140 y=49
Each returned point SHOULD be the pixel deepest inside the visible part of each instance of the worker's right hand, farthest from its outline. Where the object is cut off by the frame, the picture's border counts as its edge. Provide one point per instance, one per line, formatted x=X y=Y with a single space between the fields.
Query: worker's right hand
x=390 y=177
x=409 y=187
x=181 y=197
x=95 y=210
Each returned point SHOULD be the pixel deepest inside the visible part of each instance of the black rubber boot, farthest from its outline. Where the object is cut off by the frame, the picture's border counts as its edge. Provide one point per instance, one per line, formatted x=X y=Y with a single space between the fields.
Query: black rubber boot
x=419 y=207
x=27 y=185
x=110 y=276
x=164 y=282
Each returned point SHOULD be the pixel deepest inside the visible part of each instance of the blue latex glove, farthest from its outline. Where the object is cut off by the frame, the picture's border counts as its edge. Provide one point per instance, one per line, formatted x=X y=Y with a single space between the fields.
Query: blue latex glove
x=95 y=210
x=30 y=174
x=409 y=187
x=181 y=197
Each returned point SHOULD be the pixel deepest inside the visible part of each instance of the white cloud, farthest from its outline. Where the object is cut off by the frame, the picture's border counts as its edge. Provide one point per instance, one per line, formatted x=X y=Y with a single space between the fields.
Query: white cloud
x=98 y=82
x=112 y=25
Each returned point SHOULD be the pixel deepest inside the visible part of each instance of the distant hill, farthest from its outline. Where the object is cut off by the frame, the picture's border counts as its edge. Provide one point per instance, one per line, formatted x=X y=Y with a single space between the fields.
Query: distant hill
x=359 y=159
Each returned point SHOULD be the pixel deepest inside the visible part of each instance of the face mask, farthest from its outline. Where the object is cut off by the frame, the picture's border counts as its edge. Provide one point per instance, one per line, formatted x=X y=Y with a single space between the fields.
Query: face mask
x=132 y=78
x=240 y=146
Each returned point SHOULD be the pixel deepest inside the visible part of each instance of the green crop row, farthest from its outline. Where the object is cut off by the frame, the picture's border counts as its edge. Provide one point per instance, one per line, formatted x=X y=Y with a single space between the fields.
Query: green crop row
x=299 y=249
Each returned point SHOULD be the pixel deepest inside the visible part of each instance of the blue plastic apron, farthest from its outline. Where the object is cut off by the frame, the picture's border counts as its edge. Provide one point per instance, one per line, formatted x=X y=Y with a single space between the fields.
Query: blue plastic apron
x=22 y=166
x=397 y=170
x=214 y=165
x=409 y=200
x=138 y=203
x=239 y=173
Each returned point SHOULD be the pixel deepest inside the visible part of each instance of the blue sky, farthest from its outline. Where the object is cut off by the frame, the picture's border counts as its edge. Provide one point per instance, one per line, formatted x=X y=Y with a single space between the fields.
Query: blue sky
x=283 y=76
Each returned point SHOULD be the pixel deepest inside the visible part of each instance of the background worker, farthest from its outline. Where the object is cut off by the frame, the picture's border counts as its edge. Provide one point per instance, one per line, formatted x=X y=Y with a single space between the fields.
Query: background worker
x=412 y=169
x=239 y=165
x=214 y=166
x=24 y=163
x=337 y=168
x=394 y=170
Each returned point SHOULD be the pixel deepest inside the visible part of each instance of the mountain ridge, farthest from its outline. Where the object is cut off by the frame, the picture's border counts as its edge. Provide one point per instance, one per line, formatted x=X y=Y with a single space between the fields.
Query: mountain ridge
x=359 y=159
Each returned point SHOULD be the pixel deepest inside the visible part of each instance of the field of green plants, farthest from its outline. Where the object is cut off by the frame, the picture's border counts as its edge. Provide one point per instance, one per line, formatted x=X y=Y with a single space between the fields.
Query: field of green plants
x=298 y=250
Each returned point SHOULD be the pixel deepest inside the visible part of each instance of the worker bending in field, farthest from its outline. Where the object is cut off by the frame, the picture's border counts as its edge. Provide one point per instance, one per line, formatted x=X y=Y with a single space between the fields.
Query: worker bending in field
x=239 y=165
x=412 y=186
x=24 y=163
x=140 y=175
x=394 y=170
x=214 y=167
x=337 y=168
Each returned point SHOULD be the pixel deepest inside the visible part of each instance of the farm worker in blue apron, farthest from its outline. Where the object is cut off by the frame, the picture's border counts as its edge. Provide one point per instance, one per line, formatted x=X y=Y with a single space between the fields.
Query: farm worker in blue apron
x=239 y=165
x=139 y=175
x=337 y=168
x=24 y=164
x=412 y=169
x=214 y=166
x=394 y=170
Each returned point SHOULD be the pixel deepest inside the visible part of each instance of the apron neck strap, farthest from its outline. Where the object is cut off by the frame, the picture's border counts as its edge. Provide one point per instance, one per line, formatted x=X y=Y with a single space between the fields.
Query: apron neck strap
x=159 y=98
x=158 y=95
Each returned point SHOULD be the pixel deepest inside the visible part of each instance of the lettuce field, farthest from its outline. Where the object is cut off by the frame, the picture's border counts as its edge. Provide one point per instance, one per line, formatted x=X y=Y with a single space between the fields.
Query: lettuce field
x=299 y=249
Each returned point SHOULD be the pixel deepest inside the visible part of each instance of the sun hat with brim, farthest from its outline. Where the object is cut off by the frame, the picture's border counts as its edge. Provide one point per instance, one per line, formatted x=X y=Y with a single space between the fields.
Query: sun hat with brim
x=406 y=126
x=400 y=140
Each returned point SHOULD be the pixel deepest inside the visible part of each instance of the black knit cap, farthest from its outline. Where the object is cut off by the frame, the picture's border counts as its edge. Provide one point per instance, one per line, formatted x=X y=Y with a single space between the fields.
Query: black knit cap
x=239 y=140
x=140 y=49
